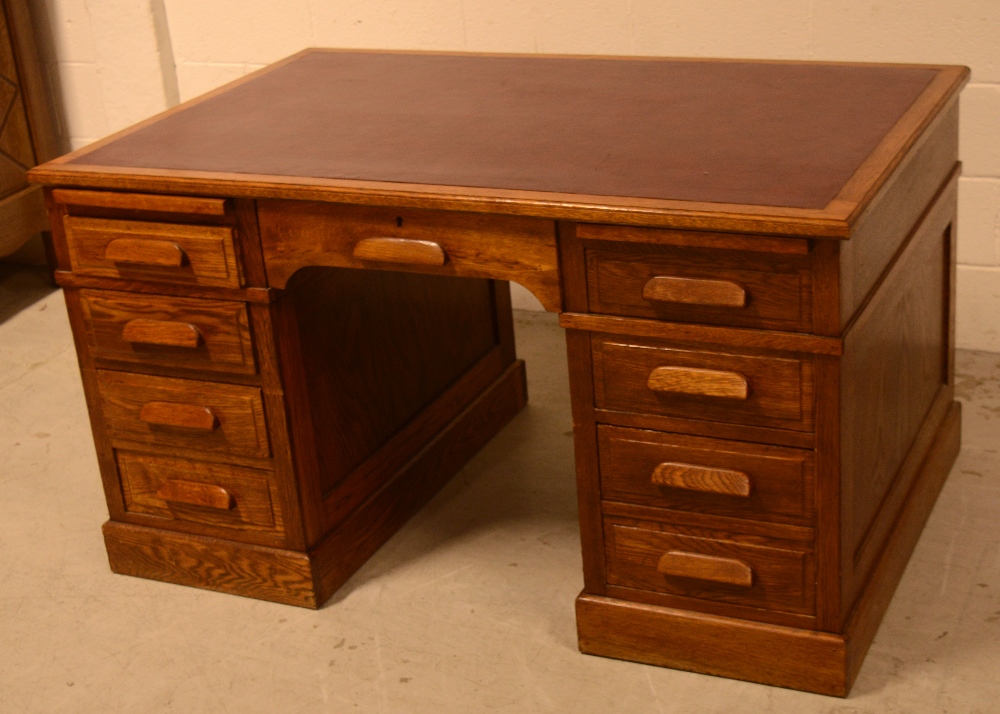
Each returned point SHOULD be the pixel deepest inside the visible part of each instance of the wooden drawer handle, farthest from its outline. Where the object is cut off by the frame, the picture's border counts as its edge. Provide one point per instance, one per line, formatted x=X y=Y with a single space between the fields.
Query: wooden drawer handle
x=161 y=332
x=705 y=567
x=197 y=494
x=400 y=250
x=701 y=478
x=702 y=382
x=695 y=291
x=161 y=253
x=186 y=416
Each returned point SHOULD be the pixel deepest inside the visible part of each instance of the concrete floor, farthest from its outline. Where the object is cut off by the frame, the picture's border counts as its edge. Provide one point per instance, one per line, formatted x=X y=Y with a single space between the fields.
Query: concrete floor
x=469 y=608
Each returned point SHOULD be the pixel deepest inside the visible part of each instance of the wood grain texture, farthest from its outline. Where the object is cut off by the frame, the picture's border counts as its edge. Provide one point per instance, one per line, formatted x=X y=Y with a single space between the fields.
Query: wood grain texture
x=241 y=426
x=198 y=561
x=18 y=153
x=180 y=416
x=299 y=234
x=409 y=337
x=177 y=333
x=191 y=205
x=729 y=571
x=714 y=476
x=694 y=291
x=884 y=226
x=92 y=395
x=581 y=384
x=145 y=253
x=699 y=382
x=893 y=370
x=906 y=529
x=711 y=607
x=780 y=394
x=400 y=250
x=706 y=334
x=162 y=333
x=399 y=449
x=292 y=486
x=828 y=483
x=259 y=296
x=769 y=654
x=588 y=483
x=671 y=214
x=203 y=255
x=715 y=429
x=692 y=239
x=738 y=288
x=710 y=525
x=251 y=256
x=692 y=477
x=197 y=492
x=348 y=546
x=47 y=140
x=783 y=578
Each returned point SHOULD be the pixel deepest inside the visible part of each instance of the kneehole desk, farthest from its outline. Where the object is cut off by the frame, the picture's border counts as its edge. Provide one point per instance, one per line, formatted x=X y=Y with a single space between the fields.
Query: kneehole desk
x=291 y=308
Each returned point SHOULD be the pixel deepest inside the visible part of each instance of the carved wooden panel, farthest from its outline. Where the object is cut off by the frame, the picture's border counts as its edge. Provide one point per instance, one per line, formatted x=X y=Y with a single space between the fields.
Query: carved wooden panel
x=16 y=153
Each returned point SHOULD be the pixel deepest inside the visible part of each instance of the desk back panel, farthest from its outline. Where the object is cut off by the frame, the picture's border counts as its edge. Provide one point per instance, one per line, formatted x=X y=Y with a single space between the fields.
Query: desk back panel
x=377 y=348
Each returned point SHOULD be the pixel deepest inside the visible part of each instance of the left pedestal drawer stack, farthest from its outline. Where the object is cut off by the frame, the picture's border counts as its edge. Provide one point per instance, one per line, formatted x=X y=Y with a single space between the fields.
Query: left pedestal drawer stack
x=163 y=317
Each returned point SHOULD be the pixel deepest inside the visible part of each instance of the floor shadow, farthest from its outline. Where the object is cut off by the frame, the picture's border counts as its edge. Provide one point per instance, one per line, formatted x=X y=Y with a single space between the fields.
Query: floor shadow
x=21 y=286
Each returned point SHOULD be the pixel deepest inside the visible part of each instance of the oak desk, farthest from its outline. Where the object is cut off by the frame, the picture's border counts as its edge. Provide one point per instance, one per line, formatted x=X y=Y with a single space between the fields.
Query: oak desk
x=753 y=261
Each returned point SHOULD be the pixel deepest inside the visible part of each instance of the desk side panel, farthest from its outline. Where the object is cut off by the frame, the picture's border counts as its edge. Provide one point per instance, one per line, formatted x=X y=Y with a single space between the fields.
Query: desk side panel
x=896 y=389
x=882 y=229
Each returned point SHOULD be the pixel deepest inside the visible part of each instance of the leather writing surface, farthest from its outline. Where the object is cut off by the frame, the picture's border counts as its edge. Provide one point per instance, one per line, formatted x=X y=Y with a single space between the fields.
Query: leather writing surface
x=720 y=131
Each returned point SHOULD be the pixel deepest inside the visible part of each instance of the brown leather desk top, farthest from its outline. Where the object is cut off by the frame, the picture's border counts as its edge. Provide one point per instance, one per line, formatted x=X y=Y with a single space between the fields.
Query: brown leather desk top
x=652 y=133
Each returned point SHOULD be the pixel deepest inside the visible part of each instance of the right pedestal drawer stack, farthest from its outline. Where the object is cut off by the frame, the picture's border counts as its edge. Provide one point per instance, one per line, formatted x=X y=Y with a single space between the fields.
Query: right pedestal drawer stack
x=753 y=463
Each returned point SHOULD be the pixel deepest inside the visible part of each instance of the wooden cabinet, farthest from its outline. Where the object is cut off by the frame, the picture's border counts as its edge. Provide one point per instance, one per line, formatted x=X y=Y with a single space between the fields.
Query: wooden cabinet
x=28 y=128
x=287 y=351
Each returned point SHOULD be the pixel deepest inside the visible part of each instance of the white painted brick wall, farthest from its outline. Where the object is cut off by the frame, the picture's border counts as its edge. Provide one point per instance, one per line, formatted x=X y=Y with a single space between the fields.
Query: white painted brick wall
x=110 y=72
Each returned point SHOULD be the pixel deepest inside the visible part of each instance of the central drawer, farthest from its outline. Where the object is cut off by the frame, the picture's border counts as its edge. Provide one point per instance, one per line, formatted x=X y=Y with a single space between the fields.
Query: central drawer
x=223 y=419
x=640 y=375
x=296 y=234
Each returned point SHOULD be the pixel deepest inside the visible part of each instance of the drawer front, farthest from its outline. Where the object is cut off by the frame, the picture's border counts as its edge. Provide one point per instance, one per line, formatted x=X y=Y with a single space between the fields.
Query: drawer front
x=726 y=478
x=182 y=413
x=700 y=285
x=165 y=252
x=654 y=557
x=295 y=234
x=647 y=376
x=210 y=335
x=199 y=492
